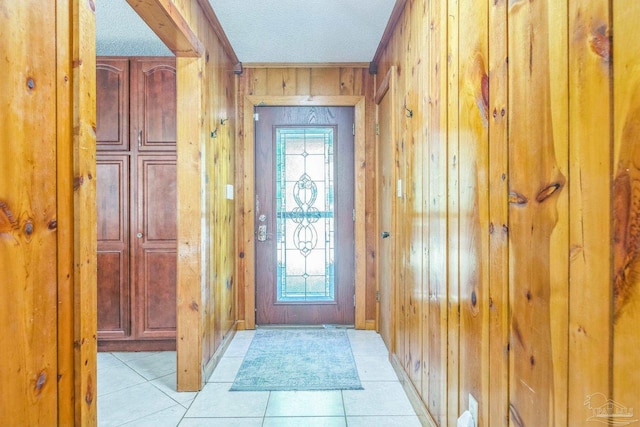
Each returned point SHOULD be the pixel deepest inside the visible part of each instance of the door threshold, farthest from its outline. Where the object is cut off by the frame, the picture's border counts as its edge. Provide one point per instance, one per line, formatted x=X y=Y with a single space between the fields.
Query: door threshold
x=326 y=326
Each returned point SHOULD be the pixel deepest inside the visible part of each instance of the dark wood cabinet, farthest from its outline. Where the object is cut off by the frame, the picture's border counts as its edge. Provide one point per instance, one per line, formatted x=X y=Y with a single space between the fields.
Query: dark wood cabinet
x=137 y=203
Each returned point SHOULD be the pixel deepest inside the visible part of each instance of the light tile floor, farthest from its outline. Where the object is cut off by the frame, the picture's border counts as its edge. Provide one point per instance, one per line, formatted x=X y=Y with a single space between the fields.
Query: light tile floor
x=138 y=389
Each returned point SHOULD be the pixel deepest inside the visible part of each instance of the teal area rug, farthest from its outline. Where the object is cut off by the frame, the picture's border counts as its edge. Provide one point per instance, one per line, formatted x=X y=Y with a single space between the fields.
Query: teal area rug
x=298 y=359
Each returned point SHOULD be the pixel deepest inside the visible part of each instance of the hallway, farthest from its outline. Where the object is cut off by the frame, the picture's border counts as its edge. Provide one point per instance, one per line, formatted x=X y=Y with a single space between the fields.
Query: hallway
x=137 y=389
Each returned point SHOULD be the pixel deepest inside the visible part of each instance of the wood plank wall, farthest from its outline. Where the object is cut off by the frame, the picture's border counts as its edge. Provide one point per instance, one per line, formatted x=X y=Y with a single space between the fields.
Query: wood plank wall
x=206 y=218
x=47 y=214
x=518 y=256
x=310 y=81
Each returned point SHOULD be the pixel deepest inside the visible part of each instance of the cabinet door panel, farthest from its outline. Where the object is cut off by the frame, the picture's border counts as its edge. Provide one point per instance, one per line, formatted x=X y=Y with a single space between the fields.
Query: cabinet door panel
x=113 y=310
x=160 y=293
x=153 y=125
x=112 y=197
x=156 y=261
x=112 y=104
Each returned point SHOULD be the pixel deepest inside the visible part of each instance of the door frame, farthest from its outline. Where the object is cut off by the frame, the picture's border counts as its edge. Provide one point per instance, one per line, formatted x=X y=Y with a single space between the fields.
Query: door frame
x=387 y=88
x=249 y=202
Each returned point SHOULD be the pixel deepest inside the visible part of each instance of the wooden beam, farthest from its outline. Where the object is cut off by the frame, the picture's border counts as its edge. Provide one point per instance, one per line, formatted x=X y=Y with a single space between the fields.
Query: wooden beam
x=217 y=29
x=190 y=304
x=169 y=25
x=398 y=8
x=84 y=212
x=273 y=65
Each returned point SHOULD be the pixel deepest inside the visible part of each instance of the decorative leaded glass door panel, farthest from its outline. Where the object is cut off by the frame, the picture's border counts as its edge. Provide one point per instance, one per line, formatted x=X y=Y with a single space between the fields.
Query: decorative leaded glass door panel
x=304 y=215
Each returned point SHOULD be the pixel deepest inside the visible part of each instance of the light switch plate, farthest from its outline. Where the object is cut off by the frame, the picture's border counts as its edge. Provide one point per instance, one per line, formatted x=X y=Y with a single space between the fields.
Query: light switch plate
x=473 y=408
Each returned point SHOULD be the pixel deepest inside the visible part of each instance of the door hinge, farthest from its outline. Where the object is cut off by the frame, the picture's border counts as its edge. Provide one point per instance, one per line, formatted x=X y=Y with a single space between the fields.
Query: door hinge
x=256 y=117
x=377 y=129
x=354 y=215
x=377 y=296
x=354 y=300
x=354 y=129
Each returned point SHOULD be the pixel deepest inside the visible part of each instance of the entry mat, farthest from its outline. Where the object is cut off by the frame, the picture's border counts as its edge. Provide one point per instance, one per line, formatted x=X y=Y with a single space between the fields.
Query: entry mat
x=298 y=359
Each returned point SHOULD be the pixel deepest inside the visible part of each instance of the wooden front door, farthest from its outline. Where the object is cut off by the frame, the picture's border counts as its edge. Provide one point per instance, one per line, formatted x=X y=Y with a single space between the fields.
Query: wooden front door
x=137 y=203
x=304 y=215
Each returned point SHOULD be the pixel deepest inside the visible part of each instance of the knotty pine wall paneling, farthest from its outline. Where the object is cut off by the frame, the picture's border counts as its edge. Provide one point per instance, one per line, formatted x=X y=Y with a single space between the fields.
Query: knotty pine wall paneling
x=433 y=102
x=28 y=250
x=559 y=265
x=473 y=156
x=498 y=381
x=206 y=247
x=626 y=193
x=452 y=170
x=47 y=219
x=523 y=144
x=537 y=209
x=590 y=224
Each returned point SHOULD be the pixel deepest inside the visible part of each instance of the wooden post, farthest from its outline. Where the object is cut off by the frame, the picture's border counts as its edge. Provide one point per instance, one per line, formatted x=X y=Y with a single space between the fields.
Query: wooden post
x=190 y=281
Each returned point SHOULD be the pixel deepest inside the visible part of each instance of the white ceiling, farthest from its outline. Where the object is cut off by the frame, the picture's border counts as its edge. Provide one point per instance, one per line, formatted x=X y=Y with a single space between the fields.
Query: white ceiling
x=264 y=31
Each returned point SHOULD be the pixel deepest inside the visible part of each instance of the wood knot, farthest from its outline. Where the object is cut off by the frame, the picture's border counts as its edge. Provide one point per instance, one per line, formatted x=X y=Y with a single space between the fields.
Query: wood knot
x=601 y=43
x=517 y=199
x=194 y=306
x=516 y=418
x=31 y=84
x=77 y=182
x=53 y=224
x=548 y=191
x=89 y=394
x=40 y=382
x=474 y=298
x=28 y=228
x=485 y=91
x=7 y=220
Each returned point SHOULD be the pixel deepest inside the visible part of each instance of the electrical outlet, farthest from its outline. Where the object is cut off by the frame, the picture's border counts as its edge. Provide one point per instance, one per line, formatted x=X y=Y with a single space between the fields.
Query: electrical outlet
x=473 y=408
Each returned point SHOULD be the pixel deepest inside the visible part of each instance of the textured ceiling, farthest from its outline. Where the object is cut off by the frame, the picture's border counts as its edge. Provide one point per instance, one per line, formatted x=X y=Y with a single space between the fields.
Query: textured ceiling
x=121 y=32
x=263 y=31
x=303 y=30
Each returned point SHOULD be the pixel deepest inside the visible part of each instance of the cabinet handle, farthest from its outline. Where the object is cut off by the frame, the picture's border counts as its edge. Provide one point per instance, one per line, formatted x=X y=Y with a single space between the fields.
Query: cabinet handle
x=140 y=138
x=139 y=235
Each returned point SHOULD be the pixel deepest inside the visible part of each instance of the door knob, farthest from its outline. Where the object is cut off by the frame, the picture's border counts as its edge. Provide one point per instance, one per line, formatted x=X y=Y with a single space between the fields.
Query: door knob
x=139 y=235
x=385 y=234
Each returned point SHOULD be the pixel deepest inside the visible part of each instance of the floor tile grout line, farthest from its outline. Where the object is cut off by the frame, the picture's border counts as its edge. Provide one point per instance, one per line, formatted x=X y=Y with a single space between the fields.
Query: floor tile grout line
x=148 y=415
x=186 y=407
x=123 y=389
x=266 y=407
x=163 y=392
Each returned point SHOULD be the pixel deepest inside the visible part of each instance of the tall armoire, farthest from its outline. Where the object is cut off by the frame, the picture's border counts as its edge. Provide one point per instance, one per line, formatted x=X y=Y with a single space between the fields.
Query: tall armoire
x=136 y=198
